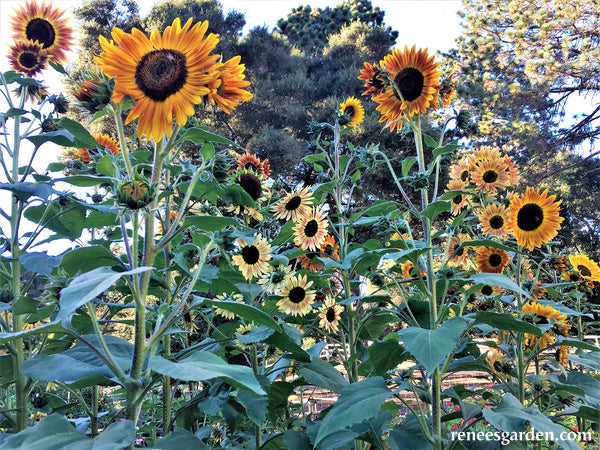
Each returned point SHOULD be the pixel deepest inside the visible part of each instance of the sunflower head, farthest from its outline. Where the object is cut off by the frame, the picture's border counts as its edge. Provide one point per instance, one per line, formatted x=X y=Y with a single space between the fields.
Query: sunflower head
x=297 y=297
x=585 y=267
x=492 y=260
x=28 y=57
x=352 y=112
x=226 y=90
x=94 y=92
x=104 y=142
x=329 y=315
x=374 y=80
x=136 y=193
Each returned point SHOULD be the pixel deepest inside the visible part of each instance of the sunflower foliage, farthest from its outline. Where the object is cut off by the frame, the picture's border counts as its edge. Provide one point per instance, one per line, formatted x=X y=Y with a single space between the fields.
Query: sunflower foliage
x=200 y=303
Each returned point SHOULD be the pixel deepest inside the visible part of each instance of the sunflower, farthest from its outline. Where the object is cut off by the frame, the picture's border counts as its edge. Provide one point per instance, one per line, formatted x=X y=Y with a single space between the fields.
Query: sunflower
x=273 y=280
x=498 y=362
x=311 y=230
x=242 y=330
x=534 y=218
x=491 y=260
x=246 y=211
x=307 y=261
x=167 y=75
x=374 y=81
x=354 y=110
x=250 y=183
x=104 y=142
x=571 y=276
x=487 y=290
x=230 y=298
x=485 y=153
x=490 y=175
x=297 y=297
x=250 y=162
x=226 y=90
x=458 y=253
x=329 y=249
x=43 y=24
x=27 y=57
x=562 y=356
x=409 y=271
x=415 y=78
x=252 y=260
x=561 y=263
x=330 y=313
x=294 y=205
x=544 y=314
x=461 y=171
x=493 y=220
x=459 y=201
x=585 y=267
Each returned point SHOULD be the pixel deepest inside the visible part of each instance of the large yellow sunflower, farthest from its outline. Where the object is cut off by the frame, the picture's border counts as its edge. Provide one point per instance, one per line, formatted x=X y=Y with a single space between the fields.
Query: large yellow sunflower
x=226 y=90
x=491 y=260
x=544 y=314
x=311 y=230
x=105 y=142
x=585 y=267
x=297 y=296
x=329 y=315
x=253 y=259
x=534 y=218
x=167 y=75
x=27 y=57
x=415 y=84
x=294 y=205
x=354 y=110
x=493 y=220
x=43 y=24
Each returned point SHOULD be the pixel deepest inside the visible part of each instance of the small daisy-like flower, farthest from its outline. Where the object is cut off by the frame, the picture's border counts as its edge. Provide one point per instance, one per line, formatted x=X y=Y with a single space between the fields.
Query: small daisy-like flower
x=272 y=281
x=490 y=175
x=311 y=230
x=229 y=298
x=534 y=218
x=459 y=201
x=491 y=260
x=374 y=81
x=354 y=110
x=544 y=314
x=252 y=261
x=585 y=267
x=27 y=57
x=105 y=142
x=493 y=220
x=329 y=315
x=294 y=205
x=297 y=296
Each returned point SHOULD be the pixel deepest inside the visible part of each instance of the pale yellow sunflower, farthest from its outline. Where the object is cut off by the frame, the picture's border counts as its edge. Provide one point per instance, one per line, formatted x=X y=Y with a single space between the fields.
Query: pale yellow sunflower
x=311 y=230
x=329 y=315
x=297 y=297
x=253 y=260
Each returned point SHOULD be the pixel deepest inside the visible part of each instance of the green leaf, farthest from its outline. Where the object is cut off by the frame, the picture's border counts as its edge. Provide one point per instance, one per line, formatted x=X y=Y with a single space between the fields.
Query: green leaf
x=255 y=406
x=511 y=416
x=435 y=208
x=583 y=381
x=256 y=334
x=60 y=137
x=248 y=312
x=40 y=262
x=50 y=327
x=55 y=432
x=506 y=322
x=24 y=305
x=322 y=374
x=407 y=164
x=207 y=151
x=316 y=158
x=448 y=148
x=25 y=190
x=65 y=222
x=180 y=438
x=202 y=366
x=357 y=402
x=373 y=328
x=85 y=180
x=497 y=279
x=82 y=137
x=200 y=136
x=106 y=166
x=209 y=223
x=429 y=141
x=87 y=287
x=384 y=356
x=85 y=259
x=431 y=347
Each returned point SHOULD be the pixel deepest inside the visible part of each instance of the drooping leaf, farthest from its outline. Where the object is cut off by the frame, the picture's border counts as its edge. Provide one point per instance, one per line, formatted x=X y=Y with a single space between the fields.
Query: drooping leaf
x=248 y=312
x=39 y=262
x=179 y=438
x=322 y=374
x=255 y=406
x=209 y=223
x=497 y=279
x=86 y=259
x=506 y=322
x=25 y=190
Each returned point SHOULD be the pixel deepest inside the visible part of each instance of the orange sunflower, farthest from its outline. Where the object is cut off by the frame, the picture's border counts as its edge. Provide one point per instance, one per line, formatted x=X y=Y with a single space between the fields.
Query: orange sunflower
x=253 y=259
x=544 y=314
x=461 y=171
x=409 y=271
x=307 y=261
x=27 y=57
x=415 y=84
x=226 y=90
x=329 y=315
x=329 y=249
x=311 y=230
x=493 y=220
x=104 y=142
x=491 y=260
x=354 y=110
x=43 y=24
x=294 y=205
x=534 y=218
x=248 y=162
x=459 y=201
x=374 y=81
x=297 y=296
x=167 y=75
x=490 y=175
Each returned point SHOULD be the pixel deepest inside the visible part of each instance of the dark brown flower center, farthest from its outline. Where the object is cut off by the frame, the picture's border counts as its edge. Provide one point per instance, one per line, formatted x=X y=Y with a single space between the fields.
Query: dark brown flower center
x=330 y=315
x=42 y=31
x=410 y=82
x=460 y=251
x=583 y=270
x=464 y=175
x=251 y=184
x=574 y=277
x=277 y=276
x=311 y=228
x=293 y=203
x=28 y=60
x=377 y=81
x=530 y=217
x=487 y=290
x=161 y=73
x=494 y=260
x=490 y=176
x=297 y=294
x=496 y=222
x=250 y=254
x=349 y=110
x=250 y=166
x=328 y=250
x=457 y=199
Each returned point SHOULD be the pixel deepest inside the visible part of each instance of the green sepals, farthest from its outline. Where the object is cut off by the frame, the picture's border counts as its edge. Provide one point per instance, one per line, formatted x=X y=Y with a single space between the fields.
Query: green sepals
x=94 y=92
x=136 y=193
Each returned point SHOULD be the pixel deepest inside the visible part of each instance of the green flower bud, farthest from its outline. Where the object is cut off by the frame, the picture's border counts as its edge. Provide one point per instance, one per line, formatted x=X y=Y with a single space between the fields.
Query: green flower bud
x=94 y=92
x=136 y=193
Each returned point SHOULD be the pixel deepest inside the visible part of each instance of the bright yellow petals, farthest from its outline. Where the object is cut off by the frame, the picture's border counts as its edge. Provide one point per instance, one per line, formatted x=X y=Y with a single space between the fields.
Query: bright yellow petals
x=487 y=290
x=329 y=315
x=226 y=90
x=544 y=314
x=354 y=110
x=534 y=218
x=491 y=260
x=295 y=205
x=272 y=281
x=490 y=175
x=493 y=220
x=252 y=261
x=311 y=230
x=585 y=267
x=44 y=24
x=297 y=296
x=167 y=75
x=27 y=57
x=498 y=362
x=104 y=142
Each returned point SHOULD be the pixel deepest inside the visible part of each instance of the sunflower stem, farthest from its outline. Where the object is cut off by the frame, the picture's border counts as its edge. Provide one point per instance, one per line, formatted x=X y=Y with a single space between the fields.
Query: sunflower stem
x=116 y=110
